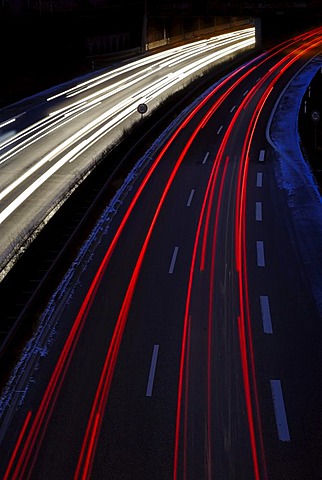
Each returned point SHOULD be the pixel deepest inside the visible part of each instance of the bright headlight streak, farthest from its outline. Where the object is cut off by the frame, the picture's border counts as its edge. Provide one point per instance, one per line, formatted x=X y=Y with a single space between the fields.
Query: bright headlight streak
x=7 y=122
x=156 y=90
x=49 y=129
x=115 y=90
x=112 y=74
x=204 y=49
x=25 y=132
x=66 y=144
x=82 y=109
x=80 y=148
x=121 y=84
x=59 y=112
x=150 y=93
x=125 y=82
x=196 y=51
x=146 y=61
x=69 y=108
x=54 y=125
x=194 y=67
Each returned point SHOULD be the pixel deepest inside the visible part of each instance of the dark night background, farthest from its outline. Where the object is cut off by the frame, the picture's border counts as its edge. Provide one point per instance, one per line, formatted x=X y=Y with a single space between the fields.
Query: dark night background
x=43 y=42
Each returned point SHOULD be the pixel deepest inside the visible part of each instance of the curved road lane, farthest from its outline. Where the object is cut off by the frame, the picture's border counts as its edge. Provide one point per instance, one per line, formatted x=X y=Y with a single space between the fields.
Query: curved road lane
x=164 y=363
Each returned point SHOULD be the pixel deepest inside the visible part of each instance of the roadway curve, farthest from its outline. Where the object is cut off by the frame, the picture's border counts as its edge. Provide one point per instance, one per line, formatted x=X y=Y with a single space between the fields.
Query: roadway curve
x=50 y=142
x=164 y=354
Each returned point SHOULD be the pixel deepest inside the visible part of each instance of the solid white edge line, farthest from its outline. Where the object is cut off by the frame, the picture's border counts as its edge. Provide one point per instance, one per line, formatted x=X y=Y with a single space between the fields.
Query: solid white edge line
x=152 y=371
x=280 y=413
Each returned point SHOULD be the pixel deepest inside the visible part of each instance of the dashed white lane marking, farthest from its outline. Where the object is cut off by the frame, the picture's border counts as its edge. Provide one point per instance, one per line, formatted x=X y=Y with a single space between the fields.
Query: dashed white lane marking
x=232 y=109
x=259 y=179
x=261 y=157
x=259 y=215
x=205 y=157
x=280 y=413
x=219 y=129
x=245 y=92
x=266 y=314
x=173 y=260
x=190 y=198
x=260 y=253
x=152 y=370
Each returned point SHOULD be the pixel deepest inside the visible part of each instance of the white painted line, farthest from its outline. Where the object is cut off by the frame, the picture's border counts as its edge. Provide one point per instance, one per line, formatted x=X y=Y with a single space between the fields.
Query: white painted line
x=259 y=179
x=266 y=314
x=205 y=157
x=190 y=198
x=280 y=414
x=259 y=215
x=173 y=260
x=232 y=109
x=219 y=129
x=258 y=79
x=260 y=254
x=261 y=156
x=245 y=93
x=152 y=370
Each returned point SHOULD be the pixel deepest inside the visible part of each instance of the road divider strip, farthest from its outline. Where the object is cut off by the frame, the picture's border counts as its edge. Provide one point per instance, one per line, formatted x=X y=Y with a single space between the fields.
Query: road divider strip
x=260 y=253
x=173 y=260
x=280 y=413
x=259 y=215
x=259 y=179
x=190 y=197
x=152 y=370
x=266 y=314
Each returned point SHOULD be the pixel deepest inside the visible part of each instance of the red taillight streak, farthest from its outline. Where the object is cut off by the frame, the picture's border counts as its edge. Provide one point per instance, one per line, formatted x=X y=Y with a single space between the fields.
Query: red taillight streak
x=210 y=188
x=241 y=267
x=218 y=156
x=183 y=350
x=131 y=290
x=45 y=403
x=247 y=141
x=293 y=58
x=86 y=305
x=184 y=336
x=243 y=353
x=109 y=365
x=186 y=325
x=70 y=344
x=21 y=435
x=210 y=317
x=186 y=402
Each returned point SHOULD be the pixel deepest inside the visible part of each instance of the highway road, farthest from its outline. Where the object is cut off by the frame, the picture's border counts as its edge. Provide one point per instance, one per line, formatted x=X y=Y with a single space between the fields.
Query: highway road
x=50 y=142
x=184 y=342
